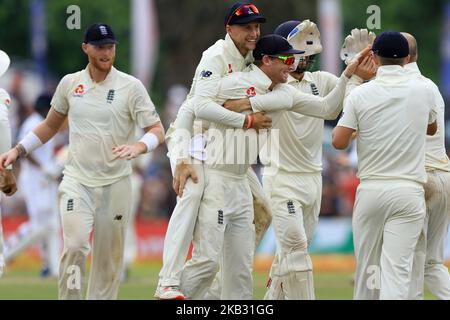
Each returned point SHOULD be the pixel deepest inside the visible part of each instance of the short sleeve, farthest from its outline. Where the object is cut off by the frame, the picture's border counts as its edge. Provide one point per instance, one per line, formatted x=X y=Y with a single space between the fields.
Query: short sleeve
x=142 y=109
x=349 y=118
x=60 y=100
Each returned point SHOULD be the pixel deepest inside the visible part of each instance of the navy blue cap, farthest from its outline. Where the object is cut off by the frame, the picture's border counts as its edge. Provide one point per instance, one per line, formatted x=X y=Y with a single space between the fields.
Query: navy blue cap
x=271 y=45
x=391 y=44
x=285 y=28
x=99 y=34
x=243 y=13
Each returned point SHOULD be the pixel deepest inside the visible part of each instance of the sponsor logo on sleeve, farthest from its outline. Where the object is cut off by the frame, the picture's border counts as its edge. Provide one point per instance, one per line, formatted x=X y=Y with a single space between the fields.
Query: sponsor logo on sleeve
x=205 y=74
x=251 y=92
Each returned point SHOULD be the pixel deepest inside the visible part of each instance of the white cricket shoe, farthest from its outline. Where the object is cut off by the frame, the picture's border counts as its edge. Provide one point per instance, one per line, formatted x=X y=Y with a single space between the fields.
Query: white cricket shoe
x=157 y=292
x=169 y=293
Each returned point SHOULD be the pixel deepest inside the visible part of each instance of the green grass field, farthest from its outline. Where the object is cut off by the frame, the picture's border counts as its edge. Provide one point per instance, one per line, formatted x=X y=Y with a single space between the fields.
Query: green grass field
x=24 y=283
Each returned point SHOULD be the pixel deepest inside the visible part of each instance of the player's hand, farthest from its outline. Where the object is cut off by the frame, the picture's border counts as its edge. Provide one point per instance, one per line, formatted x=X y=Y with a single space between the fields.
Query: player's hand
x=238 y=105
x=367 y=69
x=183 y=171
x=8 y=158
x=8 y=183
x=354 y=63
x=261 y=121
x=129 y=151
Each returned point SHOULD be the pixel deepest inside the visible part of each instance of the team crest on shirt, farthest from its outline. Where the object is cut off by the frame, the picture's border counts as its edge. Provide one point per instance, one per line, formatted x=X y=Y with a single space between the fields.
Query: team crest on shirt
x=79 y=91
x=251 y=92
x=230 y=68
x=110 y=96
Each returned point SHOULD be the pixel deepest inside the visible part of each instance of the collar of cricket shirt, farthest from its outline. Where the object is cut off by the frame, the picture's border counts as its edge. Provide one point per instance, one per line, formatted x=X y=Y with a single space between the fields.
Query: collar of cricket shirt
x=413 y=68
x=91 y=83
x=234 y=51
x=392 y=74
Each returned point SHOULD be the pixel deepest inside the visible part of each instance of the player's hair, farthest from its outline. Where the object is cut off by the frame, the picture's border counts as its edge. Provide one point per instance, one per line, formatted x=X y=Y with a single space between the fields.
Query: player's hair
x=258 y=63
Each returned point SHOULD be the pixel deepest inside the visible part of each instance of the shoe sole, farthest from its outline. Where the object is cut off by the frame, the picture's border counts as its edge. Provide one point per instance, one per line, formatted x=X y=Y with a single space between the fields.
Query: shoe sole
x=174 y=298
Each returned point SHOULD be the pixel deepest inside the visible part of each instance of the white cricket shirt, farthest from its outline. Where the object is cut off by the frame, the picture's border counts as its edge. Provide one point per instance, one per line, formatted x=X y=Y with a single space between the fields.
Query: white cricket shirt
x=436 y=155
x=101 y=116
x=391 y=115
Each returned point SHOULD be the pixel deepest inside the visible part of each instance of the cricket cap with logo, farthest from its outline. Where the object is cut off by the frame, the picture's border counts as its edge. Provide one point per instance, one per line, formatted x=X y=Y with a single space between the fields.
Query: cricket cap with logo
x=243 y=13
x=391 y=44
x=272 y=45
x=99 y=34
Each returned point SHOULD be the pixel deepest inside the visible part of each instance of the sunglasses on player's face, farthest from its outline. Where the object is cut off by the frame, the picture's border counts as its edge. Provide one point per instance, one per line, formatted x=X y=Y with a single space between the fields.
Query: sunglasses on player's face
x=287 y=60
x=244 y=9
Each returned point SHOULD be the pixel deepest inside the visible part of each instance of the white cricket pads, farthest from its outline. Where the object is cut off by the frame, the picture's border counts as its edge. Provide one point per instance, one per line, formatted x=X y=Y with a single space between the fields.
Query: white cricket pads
x=355 y=42
x=306 y=37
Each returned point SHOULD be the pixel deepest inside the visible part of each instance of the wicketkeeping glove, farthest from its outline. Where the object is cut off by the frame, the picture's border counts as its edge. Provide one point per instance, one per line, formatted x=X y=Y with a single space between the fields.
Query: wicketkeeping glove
x=355 y=42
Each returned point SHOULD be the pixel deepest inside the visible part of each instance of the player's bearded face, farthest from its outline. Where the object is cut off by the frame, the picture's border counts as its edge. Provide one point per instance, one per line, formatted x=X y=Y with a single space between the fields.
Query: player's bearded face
x=305 y=64
x=245 y=36
x=102 y=57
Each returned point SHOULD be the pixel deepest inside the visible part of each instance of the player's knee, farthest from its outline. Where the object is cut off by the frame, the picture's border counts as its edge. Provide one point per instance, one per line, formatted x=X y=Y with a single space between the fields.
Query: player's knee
x=295 y=240
x=76 y=246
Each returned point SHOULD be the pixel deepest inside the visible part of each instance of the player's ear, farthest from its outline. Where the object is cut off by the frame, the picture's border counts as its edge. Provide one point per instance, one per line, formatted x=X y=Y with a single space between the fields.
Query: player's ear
x=228 y=29
x=84 y=47
x=266 y=60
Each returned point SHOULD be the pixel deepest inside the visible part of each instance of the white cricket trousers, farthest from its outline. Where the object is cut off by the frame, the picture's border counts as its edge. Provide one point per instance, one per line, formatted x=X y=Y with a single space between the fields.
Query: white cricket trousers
x=130 y=249
x=429 y=257
x=181 y=225
x=224 y=234
x=105 y=211
x=388 y=218
x=184 y=216
x=295 y=200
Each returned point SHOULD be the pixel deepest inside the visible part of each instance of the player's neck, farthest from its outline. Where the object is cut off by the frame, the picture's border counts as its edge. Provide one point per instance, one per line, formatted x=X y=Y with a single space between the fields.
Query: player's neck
x=96 y=74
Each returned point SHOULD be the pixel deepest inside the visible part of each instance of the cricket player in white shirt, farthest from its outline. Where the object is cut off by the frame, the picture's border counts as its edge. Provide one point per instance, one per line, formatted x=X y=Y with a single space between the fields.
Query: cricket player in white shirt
x=391 y=116
x=242 y=22
x=38 y=183
x=102 y=105
x=7 y=179
x=293 y=180
x=429 y=258
x=225 y=224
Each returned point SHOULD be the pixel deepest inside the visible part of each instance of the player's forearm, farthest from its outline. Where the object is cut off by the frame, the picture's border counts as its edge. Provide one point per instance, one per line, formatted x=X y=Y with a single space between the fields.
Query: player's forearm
x=278 y=100
x=50 y=126
x=158 y=130
x=354 y=82
x=206 y=109
x=327 y=107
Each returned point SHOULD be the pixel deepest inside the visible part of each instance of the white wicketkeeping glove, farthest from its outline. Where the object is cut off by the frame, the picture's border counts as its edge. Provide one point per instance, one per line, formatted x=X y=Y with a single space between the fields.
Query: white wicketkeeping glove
x=355 y=42
x=306 y=37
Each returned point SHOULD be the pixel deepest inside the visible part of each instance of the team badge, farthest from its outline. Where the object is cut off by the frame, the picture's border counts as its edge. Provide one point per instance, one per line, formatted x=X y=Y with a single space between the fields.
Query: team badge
x=230 y=68
x=290 y=207
x=110 y=96
x=251 y=92
x=220 y=217
x=314 y=89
